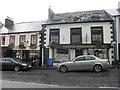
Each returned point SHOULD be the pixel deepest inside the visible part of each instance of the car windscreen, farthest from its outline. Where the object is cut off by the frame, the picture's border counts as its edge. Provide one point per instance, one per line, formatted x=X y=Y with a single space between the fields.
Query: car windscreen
x=16 y=60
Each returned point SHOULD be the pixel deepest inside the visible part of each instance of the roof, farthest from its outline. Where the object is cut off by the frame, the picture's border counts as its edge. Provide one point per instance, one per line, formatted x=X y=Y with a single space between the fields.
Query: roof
x=3 y=29
x=114 y=12
x=83 y=16
x=27 y=26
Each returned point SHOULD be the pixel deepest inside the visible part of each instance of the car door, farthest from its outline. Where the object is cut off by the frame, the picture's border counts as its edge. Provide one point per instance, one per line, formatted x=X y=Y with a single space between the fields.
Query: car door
x=8 y=63
x=3 y=64
x=78 y=63
x=88 y=62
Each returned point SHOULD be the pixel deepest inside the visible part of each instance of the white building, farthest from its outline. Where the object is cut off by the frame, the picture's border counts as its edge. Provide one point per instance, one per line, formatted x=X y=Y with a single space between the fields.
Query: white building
x=116 y=17
x=75 y=33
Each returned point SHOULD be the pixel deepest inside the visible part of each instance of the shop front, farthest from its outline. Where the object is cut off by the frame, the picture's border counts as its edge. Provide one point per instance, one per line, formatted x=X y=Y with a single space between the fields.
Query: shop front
x=68 y=52
x=29 y=55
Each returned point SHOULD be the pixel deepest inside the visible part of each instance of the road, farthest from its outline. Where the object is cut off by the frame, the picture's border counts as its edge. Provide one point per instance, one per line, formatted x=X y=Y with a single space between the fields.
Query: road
x=73 y=79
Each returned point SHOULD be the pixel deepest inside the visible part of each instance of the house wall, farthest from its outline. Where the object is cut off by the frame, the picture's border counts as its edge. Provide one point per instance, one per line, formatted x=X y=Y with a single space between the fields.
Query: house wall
x=86 y=29
x=17 y=36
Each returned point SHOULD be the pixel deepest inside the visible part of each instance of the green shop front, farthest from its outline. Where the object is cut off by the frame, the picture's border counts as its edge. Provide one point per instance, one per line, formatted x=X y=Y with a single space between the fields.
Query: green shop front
x=64 y=52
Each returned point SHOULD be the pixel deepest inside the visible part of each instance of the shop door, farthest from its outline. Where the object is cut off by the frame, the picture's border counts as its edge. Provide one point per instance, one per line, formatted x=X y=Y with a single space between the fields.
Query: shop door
x=26 y=55
x=78 y=53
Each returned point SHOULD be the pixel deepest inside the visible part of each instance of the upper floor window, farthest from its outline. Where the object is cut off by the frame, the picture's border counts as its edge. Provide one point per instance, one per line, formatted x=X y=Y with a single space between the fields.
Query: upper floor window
x=97 y=35
x=54 y=35
x=76 y=35
x=2 y=40
x=12 y=39
x=22 y=39
x=33 y=39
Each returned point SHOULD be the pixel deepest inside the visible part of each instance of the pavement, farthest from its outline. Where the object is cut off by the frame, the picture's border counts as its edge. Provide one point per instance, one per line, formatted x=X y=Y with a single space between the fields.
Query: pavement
x=55 y=67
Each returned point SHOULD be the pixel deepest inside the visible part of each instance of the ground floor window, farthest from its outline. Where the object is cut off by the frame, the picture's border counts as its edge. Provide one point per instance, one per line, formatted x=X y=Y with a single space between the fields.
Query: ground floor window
x=78 y=52
x=101 y=53
x=27 y=55
x=61 y=55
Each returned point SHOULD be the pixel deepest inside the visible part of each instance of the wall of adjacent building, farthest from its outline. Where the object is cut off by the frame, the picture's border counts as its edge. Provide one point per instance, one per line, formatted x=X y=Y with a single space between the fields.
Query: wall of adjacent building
x=17 y=36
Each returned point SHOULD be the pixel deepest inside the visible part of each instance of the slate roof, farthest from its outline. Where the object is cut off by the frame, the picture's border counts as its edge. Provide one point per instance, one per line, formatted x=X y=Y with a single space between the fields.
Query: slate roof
x=27 y=27
x=3 y=29
x=83 y=16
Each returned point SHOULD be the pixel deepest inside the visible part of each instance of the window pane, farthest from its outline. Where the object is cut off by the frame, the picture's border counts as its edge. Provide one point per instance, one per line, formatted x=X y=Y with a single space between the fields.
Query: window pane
x=96 y=35
x=12 y=39
x=54 y=35
x=34 y=39
x=3 y=40
x=22 y=39
x=75 y=32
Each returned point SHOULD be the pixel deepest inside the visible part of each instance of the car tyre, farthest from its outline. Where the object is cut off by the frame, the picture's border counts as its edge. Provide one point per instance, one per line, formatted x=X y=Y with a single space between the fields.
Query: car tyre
x=63 y=69
x=17 y=68
x=98 y=68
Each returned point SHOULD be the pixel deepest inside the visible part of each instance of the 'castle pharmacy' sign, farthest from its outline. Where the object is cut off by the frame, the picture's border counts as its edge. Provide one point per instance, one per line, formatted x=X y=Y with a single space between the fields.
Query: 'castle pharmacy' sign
x=81 y=46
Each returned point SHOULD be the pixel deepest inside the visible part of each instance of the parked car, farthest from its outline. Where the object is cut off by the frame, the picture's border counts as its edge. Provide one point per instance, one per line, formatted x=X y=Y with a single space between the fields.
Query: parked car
x=84 y=62
x=14 y=64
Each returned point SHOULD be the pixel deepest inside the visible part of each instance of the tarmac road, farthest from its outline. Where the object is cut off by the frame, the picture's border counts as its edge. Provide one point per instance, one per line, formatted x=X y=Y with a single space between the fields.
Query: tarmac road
x=70 y=79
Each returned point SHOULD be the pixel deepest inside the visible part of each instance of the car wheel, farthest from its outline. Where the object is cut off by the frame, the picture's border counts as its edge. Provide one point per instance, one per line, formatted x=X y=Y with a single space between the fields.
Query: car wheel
x=63 y=69
x=98 y=68
x=17 y=68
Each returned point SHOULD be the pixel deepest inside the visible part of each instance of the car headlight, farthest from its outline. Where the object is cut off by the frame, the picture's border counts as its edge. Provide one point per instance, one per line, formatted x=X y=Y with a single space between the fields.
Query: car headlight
x=24 y=64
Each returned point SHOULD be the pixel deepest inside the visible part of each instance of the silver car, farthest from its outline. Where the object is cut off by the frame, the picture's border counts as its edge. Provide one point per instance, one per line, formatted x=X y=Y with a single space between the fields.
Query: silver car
x=84 y=62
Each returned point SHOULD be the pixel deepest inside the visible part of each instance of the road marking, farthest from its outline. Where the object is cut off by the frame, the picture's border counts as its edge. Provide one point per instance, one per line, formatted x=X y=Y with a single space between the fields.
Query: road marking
x=108 y=87
x=16 y=84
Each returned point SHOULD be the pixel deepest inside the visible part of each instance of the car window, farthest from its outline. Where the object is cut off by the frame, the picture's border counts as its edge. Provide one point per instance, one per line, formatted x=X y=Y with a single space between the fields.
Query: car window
x=3 y=59
x=80 y=59
x=89 y=58
x=8 y=60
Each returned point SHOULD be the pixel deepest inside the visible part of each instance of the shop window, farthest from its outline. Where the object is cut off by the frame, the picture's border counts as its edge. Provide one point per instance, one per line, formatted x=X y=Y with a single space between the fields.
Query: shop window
x=96 y=35
x=76 y=35
x=54 y=35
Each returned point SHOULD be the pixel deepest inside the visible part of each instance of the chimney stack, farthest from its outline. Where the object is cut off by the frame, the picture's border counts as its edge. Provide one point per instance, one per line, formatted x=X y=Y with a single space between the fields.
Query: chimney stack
x=9 y=22
x=50 y=14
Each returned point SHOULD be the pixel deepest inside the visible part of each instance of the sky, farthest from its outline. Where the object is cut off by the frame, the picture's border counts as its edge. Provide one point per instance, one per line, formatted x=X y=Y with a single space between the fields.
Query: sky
x=36 y=10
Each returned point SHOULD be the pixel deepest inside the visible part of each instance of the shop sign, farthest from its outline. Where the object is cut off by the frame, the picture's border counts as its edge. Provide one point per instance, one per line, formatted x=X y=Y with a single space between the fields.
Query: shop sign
x=77 y=46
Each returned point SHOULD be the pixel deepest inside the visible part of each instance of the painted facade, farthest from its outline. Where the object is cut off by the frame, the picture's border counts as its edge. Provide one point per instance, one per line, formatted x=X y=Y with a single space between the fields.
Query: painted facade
x=22 y=40
x=61 y=46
